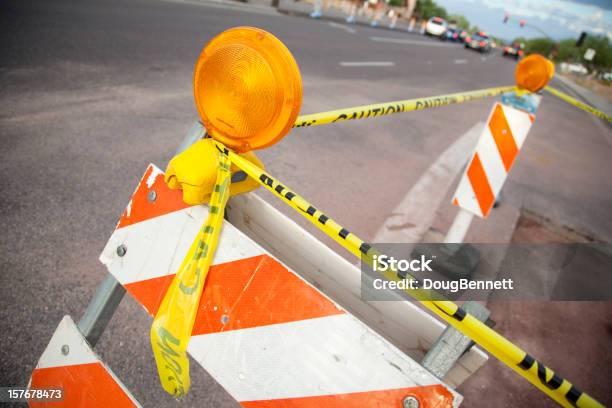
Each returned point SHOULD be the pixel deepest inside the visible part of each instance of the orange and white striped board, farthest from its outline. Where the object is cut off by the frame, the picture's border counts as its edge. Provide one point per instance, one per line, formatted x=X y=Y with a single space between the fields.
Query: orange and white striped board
x=264 y=333
x=69 y=364
x=497 y=149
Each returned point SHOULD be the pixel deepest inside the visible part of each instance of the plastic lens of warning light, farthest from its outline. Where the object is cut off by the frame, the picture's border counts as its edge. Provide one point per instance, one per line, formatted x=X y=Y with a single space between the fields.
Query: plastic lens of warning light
x=551 y=69
x=247 y=88
x=533 y=72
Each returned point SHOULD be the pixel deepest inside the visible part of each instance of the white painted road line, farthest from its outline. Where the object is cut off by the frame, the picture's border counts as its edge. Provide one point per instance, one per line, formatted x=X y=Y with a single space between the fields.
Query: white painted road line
x=342 y=27
x=411 y=42
x=411 y=219
x=460 y=61
x=367 y=63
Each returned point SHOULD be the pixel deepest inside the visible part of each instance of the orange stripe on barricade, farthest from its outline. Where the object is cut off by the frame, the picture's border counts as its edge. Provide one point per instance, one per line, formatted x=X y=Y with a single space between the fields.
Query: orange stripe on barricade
x=143 y=207
x=502 y=135
x=430 y=396
x=480 y=185
x=251 y=292
x=83 y=385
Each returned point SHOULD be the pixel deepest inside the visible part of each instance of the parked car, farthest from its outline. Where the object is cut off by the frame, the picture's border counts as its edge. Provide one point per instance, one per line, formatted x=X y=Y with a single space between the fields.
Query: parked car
x=573 y=68
x=436 y=26
x=605 y=76
x=463 y=35
x=515 y=51
x=452 y=34
x=479 y=41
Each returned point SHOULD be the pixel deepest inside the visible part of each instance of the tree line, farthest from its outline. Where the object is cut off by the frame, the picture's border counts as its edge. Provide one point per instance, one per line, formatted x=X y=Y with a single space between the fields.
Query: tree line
x=566 y=50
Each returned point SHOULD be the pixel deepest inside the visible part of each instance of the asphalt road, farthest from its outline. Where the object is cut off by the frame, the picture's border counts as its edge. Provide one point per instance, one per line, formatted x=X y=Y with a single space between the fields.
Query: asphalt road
x=92 y=91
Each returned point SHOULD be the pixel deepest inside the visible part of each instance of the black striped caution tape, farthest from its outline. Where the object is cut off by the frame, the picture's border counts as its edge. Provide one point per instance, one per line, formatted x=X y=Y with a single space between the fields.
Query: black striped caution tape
x=578 y=104
x=389 y=108
x=556 y=387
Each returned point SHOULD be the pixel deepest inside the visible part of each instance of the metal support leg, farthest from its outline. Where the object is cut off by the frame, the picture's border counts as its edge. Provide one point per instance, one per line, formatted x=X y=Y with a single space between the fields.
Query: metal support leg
x=100 y=309
x=459 y=228
x=110 y=292
x=451 y=344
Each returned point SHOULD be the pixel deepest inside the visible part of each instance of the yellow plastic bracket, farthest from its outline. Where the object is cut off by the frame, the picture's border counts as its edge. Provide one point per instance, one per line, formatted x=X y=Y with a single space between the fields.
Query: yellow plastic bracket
x=195 y=170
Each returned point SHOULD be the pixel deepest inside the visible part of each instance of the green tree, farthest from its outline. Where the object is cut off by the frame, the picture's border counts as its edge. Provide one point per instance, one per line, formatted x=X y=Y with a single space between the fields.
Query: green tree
x=460 y=20
x=603 y=51
x=520 y=40
x=567 y=50
x=543 y=46
x=427 y=9
x=498 y=41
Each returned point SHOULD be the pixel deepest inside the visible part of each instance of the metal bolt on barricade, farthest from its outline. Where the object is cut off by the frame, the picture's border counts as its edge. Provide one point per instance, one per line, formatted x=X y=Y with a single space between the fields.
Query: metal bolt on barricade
x=121 y=250
x=411 y=402
x=152 y=196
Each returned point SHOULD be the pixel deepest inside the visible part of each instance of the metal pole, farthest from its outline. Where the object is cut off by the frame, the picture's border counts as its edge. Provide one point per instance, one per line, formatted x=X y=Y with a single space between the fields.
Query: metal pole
x=459 y=228
x=110 y=292
x=452 y=344
x=100 y=309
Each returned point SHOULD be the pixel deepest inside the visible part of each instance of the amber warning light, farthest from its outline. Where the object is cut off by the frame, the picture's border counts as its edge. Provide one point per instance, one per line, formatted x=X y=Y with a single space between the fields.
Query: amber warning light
x=533 y=72
x=247 y=88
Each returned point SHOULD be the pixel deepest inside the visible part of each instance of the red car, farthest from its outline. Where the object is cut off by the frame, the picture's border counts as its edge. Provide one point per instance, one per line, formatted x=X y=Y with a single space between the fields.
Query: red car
x=514 y=50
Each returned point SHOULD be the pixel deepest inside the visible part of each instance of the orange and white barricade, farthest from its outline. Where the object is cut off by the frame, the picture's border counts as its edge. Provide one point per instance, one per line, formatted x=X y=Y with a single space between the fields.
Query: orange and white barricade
x=497 y=149
x=74 y=376
x=266 y=335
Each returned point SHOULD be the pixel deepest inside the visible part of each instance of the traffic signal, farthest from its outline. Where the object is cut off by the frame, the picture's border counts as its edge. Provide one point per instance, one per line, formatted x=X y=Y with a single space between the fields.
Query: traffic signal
x=581 y=39
x=522 y=23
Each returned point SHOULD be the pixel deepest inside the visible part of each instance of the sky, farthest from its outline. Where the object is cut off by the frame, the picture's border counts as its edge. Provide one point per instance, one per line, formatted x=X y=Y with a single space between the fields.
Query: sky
x=557 y=18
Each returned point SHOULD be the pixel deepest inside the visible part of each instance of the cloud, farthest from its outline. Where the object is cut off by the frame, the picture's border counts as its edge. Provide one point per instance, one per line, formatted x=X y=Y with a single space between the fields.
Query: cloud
x=575 y=16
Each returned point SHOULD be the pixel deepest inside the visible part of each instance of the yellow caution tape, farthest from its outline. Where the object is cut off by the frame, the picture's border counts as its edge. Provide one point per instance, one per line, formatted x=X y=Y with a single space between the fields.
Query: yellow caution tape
x=556 y=387
x=172 y=326
x=578 y=104
x=388 y=108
